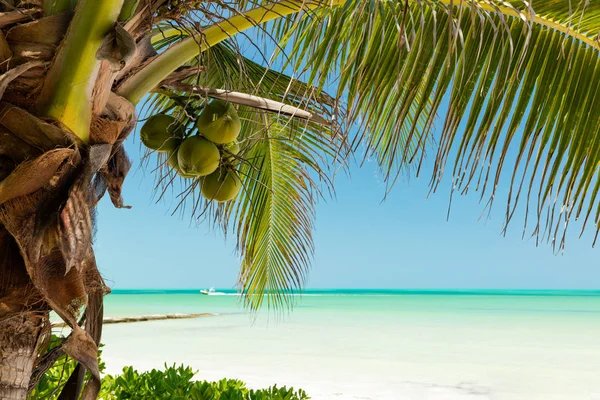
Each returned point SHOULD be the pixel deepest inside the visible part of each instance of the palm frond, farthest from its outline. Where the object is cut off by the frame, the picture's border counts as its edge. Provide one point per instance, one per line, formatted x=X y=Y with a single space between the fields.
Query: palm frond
x=507 y=77
x=370 y=67
x=273 y=216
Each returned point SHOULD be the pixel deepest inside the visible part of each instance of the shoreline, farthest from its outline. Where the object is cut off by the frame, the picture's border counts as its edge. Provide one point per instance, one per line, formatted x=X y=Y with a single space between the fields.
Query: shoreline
x=143 y=318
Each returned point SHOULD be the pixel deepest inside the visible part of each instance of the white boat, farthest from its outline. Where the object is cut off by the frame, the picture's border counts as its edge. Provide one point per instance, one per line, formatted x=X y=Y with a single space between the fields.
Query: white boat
x=211 y=292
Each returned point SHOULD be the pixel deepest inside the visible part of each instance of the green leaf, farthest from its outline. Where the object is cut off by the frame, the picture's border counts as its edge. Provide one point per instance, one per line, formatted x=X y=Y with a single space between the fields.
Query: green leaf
x=273 y=215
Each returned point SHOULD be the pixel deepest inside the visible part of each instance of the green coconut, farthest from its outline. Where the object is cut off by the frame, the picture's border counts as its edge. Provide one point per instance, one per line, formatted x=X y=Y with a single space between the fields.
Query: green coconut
x=233 y=148
x=197 y=156
x=219 y=122
x=222 y=185
x=174 y=163
x=161 y=132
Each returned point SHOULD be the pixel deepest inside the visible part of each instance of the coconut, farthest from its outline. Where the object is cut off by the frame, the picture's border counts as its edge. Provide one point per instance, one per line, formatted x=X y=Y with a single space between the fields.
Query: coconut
x=172 y=159
x=197 y=156
x=161 y=132
x=219 y=122
x=233 y=148
x=229 y=151
x=174 y=163
x=222 y=185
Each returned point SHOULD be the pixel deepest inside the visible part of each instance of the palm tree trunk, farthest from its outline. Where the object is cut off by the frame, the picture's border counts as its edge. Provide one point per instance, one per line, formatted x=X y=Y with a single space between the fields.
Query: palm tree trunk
x=19 y=338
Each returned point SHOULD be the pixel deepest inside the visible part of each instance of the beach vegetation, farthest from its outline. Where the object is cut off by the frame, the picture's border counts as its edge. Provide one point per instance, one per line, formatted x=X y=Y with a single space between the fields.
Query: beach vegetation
x=512 y=85
x=178 y=383
x=172 y=382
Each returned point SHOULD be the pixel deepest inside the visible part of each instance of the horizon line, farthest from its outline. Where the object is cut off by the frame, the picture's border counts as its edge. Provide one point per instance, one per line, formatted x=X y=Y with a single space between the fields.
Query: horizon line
x=382 y=289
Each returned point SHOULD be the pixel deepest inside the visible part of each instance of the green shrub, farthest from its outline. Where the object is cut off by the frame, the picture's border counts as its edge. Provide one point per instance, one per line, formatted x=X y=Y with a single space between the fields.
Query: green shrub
x=275 y=393
x=177 y=383
x=172 y=383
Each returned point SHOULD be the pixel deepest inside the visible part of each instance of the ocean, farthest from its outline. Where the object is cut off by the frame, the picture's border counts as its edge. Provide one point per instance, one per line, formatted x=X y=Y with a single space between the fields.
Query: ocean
x=374 y=344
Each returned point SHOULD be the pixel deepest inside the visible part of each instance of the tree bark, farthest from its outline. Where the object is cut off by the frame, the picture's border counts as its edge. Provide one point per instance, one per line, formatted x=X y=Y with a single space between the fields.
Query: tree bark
x=20 y=335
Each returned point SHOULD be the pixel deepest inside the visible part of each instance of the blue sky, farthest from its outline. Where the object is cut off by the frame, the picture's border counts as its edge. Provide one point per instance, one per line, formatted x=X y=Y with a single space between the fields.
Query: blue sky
x=404 y=242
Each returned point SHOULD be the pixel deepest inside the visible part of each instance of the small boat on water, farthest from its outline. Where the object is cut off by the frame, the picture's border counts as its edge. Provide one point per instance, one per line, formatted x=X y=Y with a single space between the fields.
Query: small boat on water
x=211 y=292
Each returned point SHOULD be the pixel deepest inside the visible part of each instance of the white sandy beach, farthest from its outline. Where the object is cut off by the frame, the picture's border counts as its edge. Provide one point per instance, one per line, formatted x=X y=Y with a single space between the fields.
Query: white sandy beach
x=406 y=352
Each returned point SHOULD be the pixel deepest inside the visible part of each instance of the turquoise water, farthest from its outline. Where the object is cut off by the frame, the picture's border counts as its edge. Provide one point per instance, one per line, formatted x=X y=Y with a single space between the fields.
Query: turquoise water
x=375 y=344
x=125 y=302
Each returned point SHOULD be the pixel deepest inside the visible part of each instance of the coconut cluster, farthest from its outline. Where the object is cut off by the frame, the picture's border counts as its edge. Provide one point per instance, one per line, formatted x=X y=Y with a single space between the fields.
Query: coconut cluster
x=208 y=155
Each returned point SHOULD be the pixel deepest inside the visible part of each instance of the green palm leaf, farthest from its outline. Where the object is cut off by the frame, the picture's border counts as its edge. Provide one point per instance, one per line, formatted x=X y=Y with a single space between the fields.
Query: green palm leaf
x=274 y=214
x=507 y=78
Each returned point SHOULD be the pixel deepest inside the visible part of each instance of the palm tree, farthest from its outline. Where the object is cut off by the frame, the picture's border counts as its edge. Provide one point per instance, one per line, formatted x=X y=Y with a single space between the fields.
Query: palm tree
x=366 y=79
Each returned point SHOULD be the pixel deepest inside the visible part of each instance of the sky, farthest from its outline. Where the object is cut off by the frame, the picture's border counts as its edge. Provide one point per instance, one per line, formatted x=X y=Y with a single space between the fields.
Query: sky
x=405 y=241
